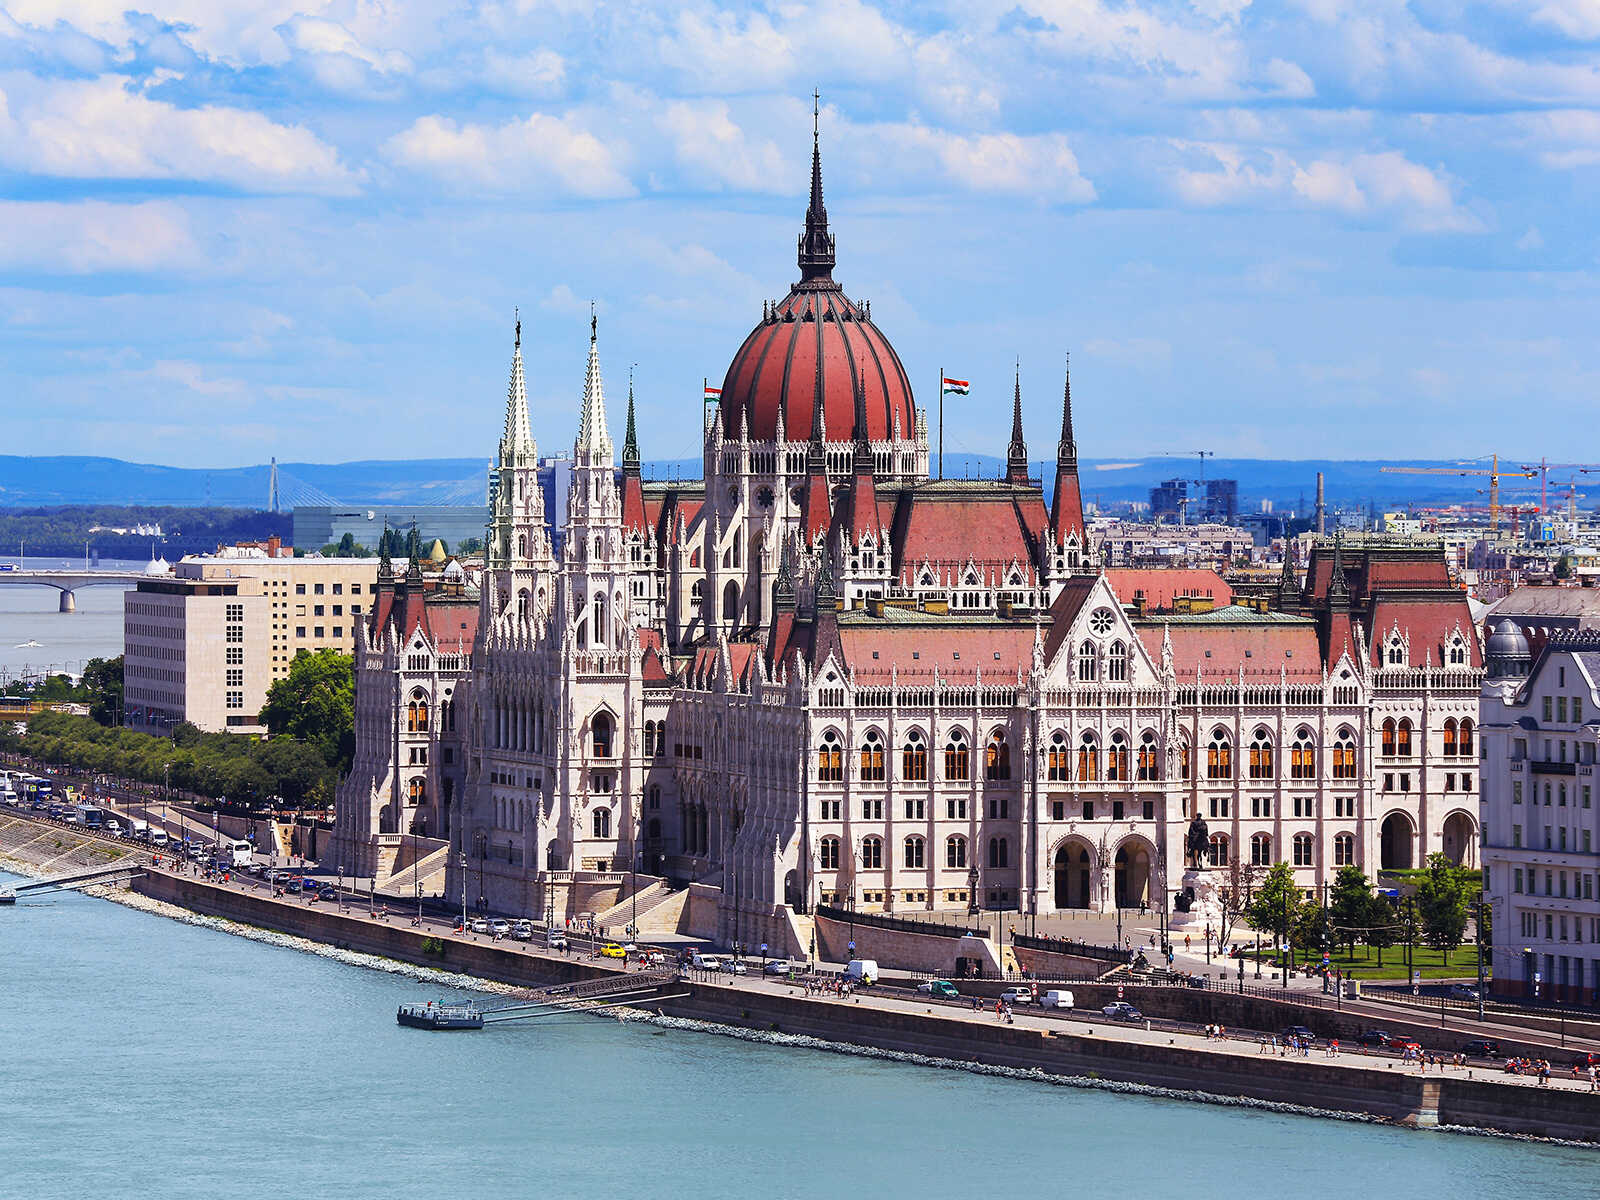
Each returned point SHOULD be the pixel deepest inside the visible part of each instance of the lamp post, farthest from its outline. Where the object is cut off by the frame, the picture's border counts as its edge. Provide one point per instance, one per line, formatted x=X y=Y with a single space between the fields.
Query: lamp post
x=464 y=901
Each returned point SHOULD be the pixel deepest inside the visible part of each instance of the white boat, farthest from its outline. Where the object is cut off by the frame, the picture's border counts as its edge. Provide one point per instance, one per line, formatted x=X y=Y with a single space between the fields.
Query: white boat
x=30 y=644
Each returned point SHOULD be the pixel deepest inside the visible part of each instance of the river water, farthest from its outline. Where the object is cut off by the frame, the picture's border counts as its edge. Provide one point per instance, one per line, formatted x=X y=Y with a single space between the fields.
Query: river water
x=142 y=1056
x=30 y=613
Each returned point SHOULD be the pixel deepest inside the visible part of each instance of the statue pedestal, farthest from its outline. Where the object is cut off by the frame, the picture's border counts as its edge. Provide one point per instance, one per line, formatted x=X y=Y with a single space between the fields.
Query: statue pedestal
x=1207 y=905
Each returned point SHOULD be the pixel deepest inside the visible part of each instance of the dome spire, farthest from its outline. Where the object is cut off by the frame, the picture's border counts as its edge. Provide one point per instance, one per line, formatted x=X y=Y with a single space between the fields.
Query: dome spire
x=594 y=441
x=1067 y=448
x=630 y=440
x=518 y=436
x=816 y=243
x=1017 y=452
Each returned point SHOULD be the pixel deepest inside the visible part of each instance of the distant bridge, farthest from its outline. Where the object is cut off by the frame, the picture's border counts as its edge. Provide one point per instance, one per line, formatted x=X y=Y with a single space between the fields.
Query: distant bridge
x=68 y=581
x=76 y=879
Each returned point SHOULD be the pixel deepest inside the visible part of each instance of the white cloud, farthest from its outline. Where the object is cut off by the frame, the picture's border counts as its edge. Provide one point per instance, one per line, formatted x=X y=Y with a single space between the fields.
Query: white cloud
x=93 y=236
x=99 y=129
x=716 y=150
x=1577 y=19
x=1369 y=186
x=316 y=35
x=528 y=153
x=1531 y=240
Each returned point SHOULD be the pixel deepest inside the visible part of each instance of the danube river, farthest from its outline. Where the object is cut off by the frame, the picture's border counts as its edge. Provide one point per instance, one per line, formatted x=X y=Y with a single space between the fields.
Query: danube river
x=65 y=641
x=147 y=1057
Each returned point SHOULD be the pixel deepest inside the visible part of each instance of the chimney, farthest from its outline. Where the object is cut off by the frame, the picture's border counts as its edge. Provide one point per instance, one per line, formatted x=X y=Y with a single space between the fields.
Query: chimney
x=1320 y=509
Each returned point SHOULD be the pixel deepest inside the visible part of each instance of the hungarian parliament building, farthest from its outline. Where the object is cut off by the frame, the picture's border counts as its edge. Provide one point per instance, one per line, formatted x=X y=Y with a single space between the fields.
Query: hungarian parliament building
x=820 y=677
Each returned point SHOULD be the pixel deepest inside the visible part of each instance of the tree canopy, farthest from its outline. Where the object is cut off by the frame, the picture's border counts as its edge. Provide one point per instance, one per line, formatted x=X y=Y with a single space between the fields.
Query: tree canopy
x=1442 y=904
x=315 y=704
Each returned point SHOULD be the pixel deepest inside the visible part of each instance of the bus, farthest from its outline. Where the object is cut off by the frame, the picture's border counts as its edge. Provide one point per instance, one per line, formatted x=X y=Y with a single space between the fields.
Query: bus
x=235 y=852
x=90 y=817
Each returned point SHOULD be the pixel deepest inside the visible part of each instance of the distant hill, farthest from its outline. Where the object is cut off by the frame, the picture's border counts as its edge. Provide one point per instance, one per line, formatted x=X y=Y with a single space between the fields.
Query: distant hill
x=26 y=481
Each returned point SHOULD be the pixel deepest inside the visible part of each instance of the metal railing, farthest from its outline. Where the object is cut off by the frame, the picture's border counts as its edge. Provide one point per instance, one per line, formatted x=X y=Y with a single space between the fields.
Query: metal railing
x=1052 y=945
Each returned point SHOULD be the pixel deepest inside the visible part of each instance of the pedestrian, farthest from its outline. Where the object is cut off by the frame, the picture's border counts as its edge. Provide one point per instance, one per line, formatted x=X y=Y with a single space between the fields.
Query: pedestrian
x=1186 y=943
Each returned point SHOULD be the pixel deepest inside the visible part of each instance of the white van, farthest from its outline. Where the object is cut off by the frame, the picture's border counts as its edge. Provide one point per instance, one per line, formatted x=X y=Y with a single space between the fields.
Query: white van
x=235 y=853
x=158 y=837
x=863 y=971
x=704 y=962
x=1056 y=999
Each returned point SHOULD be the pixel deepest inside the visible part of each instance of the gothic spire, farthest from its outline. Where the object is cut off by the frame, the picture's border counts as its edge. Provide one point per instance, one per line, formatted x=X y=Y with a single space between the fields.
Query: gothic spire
x=630 y=440
x=816 y=243
x=1017 y=452
x=1067 y=447
x=518 y=436
x=594 y=441
x=783 y=591
x=863 y=448
x=385 y=563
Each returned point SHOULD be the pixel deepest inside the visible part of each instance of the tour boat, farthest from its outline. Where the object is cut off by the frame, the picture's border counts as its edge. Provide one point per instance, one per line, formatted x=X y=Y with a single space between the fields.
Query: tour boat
x=440 y=1016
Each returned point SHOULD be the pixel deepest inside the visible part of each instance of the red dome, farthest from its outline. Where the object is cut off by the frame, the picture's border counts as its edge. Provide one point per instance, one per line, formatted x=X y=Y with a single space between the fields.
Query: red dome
x=816 y=335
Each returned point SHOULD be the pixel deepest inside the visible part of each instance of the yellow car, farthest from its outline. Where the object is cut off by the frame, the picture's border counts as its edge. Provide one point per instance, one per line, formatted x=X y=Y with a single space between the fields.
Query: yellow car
x=612 y=950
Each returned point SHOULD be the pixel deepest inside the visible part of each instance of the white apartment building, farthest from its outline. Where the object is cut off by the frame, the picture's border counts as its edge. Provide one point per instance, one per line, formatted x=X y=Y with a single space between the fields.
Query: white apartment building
x=204 y=644
x=1540 y=721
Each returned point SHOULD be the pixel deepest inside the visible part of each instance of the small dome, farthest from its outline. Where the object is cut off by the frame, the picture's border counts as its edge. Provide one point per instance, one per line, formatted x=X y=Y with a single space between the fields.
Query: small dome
x=157 y=566
x=437 y=554
x=1507 y=641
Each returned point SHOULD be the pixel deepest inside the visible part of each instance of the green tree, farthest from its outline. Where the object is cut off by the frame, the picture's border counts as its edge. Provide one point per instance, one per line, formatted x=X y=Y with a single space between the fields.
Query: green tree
x=1275 y=903
x=470 y=545
x=102 y=678
x=315 y=703
x=1380 y=924
x=1563 y=568
x=347 y=546
x=1442 y=905
x=1347 y=903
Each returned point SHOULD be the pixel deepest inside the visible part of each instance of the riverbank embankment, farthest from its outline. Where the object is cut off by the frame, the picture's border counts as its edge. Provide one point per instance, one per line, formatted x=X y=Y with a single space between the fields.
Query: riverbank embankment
x=1086 y=1053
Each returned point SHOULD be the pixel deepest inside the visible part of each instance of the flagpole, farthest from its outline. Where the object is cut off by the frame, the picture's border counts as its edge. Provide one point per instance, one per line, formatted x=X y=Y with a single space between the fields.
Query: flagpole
x=941 y=422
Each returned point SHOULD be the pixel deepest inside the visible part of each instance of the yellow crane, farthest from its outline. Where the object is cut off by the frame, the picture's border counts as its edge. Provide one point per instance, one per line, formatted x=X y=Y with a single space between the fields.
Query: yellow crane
x=1494 y=473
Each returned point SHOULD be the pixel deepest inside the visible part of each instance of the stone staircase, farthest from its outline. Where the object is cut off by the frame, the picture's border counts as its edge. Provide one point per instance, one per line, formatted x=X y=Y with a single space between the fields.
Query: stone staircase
x=429 y=868
x=658 y=911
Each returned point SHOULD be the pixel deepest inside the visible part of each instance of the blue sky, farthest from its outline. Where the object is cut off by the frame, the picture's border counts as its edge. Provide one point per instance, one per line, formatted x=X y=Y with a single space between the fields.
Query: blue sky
x=231 y=229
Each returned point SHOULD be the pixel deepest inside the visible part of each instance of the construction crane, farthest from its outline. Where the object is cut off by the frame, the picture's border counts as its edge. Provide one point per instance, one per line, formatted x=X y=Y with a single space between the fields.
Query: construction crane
x=1544 y=468
x=1200 y=483
x=1494 y=473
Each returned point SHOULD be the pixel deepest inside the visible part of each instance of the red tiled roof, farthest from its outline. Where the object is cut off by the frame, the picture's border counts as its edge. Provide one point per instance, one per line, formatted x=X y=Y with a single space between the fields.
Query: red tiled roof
x=958 y=651
x=1219 y=648
x=1159 y=586
x=634 y=513
x=996 y=527
x=1066 y=508
x=1429 y=626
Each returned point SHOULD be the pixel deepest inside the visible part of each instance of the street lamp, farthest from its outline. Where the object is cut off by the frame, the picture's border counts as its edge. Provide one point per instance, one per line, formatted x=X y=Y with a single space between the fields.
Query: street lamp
x=464 y=900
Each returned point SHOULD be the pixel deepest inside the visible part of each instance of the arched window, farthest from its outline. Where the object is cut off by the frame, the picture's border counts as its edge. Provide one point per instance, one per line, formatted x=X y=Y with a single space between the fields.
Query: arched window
x=872 y=757
x=1088 y=663
x=1302 y=850
x=1387 y=736
x=1219 y=850
x=600 y=620
x=1185 y=760
x=1450 y=737
x=872 y=854
x=522 y=545
x=730 y=603
x=914 y=851
x=1261 y=850
x=1261 y=755
x=1219 y=756
x=1303 y=756
x=997 y=757
x=1403 y=738
x=955 y=755
x=999 y=852
x=1117 y=757
x=1458 y=652
x=1056 y=758
x=828 y=854
x=1088 y=758
x=1149 y=758
x=602 y=729
x=955 y=851
x=411 y=717
x=1117 y=663
x=1344 y=850
x=602 y=822
x=914 y=757
x=1344 y=755
x=830 y=758
x=1465 y=744
x=417 y=792
x=1397 y=652
x=649 y=739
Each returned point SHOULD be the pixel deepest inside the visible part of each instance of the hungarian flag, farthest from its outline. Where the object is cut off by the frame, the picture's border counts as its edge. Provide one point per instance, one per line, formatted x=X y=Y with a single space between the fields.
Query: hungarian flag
x=956 y=387
x=713 y=393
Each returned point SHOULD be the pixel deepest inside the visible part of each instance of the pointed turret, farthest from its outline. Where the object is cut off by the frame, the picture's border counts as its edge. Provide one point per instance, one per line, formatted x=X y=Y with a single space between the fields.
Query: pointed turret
x=816 y=243
x=1017 y=451
x=633 y=511
x=630 y=439
x=783 y=590
x=814 y=508
x=1288 y=581
x=517 y=440
x=1066 y=505
x=594 y=441
x=385 y=563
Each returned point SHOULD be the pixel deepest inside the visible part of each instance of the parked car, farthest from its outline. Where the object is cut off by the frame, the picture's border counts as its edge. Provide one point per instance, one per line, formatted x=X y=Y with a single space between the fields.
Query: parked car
x=523 y=931
x=479 y=925
x=1121 y=1010
x=1297 y=1033
x=1017 y=995
x=1056 y=998
x=327 y=892
x=778 y=966
x=1463 y=991
x=732 y=966
x=940 y=989
x=612 y=950
x=1586 y=1059
x=555 y=940
x=1482 y=1048
x=499 y=927
x=1374 y=1037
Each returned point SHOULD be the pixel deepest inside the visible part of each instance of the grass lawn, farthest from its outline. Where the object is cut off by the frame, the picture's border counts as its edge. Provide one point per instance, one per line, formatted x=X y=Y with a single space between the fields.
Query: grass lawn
x=1462 y=962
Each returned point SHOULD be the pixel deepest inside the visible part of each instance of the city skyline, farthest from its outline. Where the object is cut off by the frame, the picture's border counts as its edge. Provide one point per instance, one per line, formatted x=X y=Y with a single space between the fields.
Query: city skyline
x=1271 y=233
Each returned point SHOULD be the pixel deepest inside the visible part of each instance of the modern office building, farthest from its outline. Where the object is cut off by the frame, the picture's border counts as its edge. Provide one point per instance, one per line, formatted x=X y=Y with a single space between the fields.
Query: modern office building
x=316 y=526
